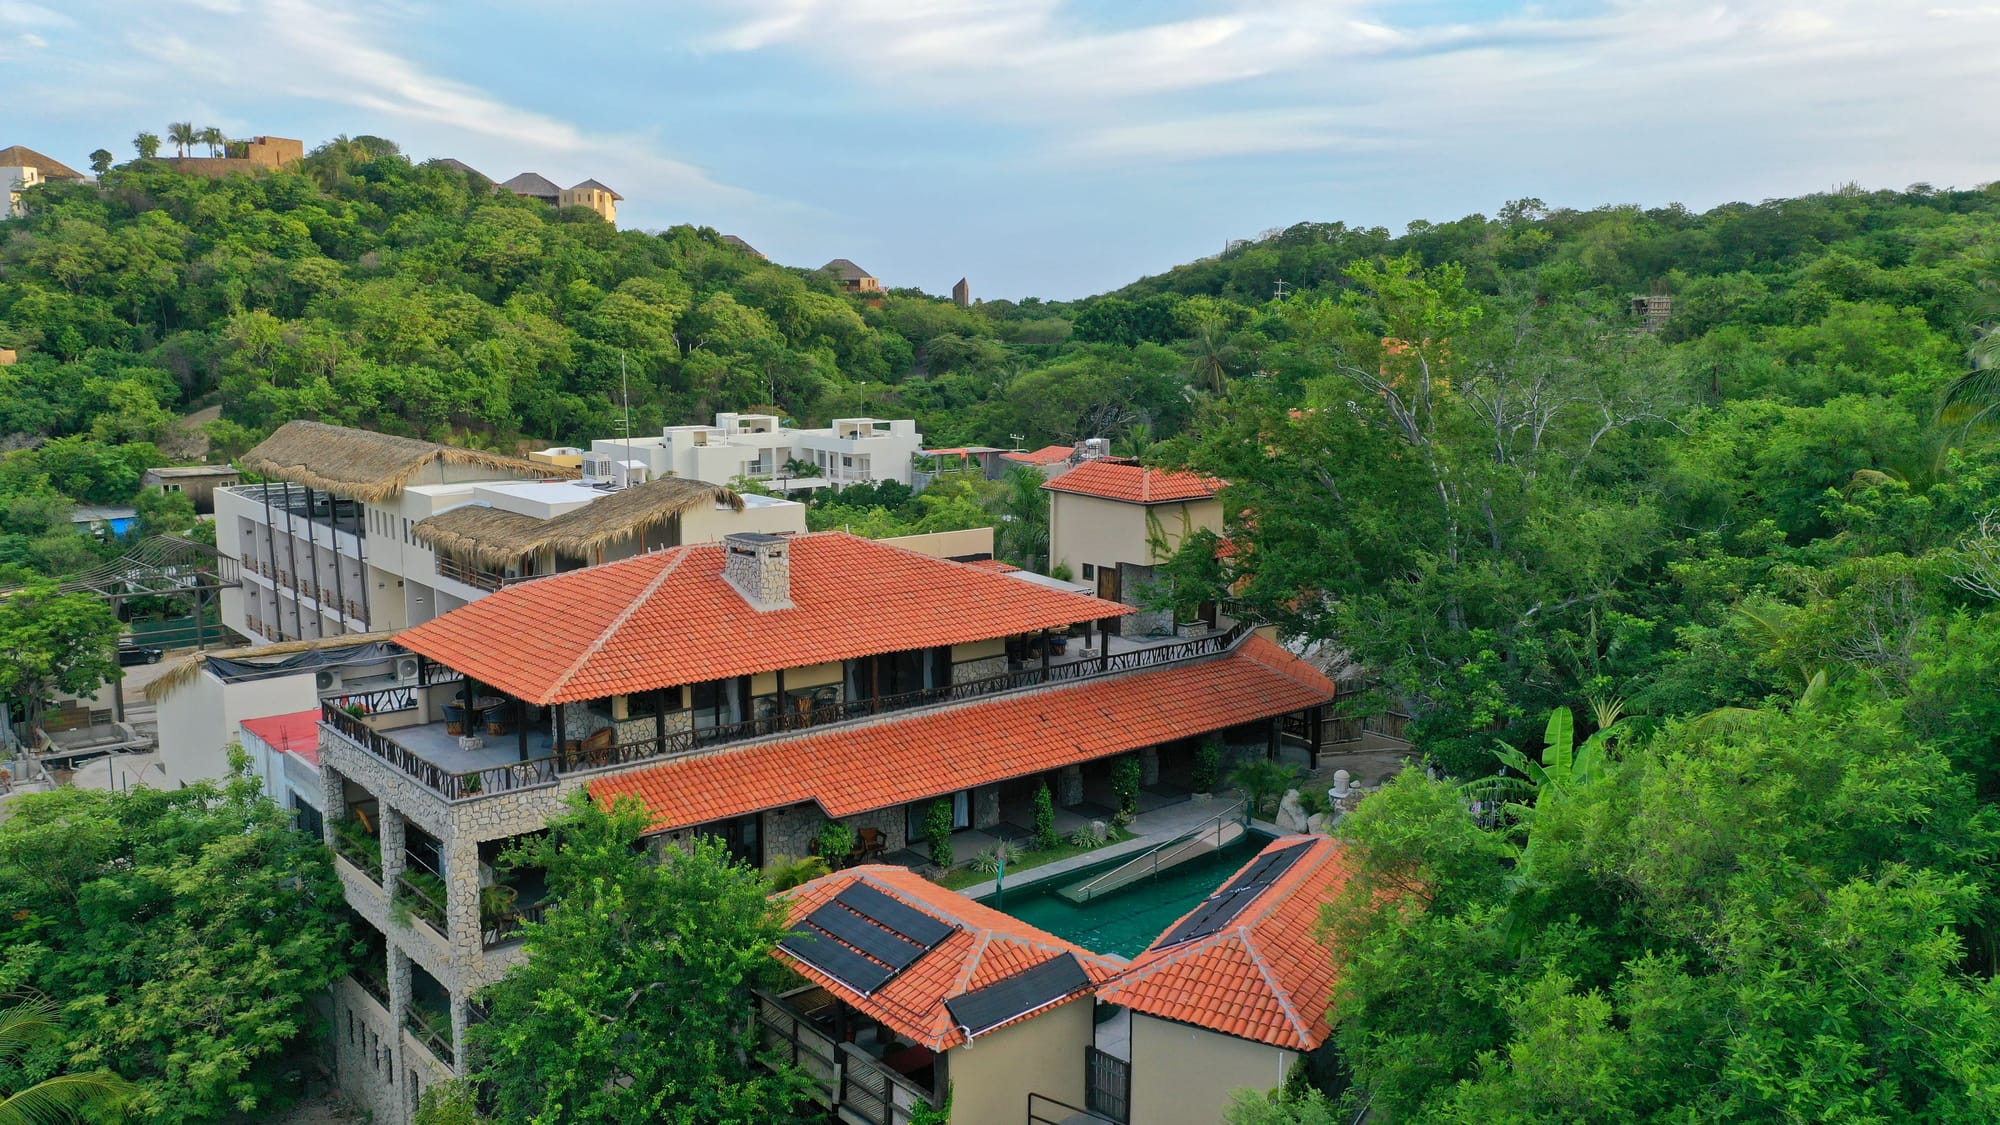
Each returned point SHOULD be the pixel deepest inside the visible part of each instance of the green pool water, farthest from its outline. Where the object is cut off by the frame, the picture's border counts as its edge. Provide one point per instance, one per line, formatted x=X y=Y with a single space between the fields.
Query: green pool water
x=1127 y=920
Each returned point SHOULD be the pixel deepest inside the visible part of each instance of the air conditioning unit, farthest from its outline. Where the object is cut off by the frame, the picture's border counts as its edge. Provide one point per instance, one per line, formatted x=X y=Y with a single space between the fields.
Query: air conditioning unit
x=327 y=680
x=406 y=670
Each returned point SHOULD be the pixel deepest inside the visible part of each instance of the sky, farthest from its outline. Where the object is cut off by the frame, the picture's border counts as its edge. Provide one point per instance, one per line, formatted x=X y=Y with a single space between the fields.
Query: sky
x=1050 y=148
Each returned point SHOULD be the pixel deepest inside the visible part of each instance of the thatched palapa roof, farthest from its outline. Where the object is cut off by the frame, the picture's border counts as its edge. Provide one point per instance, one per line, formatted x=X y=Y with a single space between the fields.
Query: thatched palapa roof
x=494 y=537
x=367 y=466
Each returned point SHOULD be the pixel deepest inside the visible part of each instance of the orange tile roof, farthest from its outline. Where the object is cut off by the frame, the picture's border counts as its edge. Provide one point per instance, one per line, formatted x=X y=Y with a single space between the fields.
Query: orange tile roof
x=989 y=946
x=1046 y=455
x=668 y=618
x=1266 y=976
x=296 y=733
x=1132 y=484
x=994 y=565
x=893 y=761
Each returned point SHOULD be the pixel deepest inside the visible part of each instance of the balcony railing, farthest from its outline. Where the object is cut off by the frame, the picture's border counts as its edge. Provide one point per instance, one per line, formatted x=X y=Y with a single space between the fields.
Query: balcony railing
x=538 y=772
x=479 y=577
x=373 y=983
x=504 y=926
x=433 y=1030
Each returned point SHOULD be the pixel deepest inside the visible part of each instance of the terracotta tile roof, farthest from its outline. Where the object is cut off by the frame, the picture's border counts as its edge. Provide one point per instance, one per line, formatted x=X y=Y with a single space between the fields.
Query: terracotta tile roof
x=1046 y=455
x=1115 y=480
x=1265 y=976
x=668 y=618
x=296 y=733
x=893 y=761
x=988 y=946
x=994 y=565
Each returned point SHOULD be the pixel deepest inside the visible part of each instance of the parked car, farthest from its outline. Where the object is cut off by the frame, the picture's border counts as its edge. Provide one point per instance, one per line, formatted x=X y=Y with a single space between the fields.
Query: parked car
x=128 y=655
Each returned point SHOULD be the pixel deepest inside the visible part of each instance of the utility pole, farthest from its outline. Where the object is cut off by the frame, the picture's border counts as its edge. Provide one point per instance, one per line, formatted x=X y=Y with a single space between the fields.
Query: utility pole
x=1279 y=295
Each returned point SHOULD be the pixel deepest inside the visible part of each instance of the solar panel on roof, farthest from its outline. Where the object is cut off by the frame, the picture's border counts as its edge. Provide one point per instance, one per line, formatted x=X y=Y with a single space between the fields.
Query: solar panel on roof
x=823 y=952
x=984 y=1009
x=911 y=923
x=1223 y=906
x=894 y=950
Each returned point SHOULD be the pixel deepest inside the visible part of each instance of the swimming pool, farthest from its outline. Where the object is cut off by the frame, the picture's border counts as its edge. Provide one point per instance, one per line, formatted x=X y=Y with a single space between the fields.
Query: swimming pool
x=1127 y=920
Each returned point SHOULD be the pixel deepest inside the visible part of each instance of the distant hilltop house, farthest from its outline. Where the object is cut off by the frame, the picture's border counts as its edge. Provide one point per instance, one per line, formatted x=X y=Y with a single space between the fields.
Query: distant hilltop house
x=961 y=294
x=22 y=168
x=258 y=154
x=852 y=278
x=589 y=193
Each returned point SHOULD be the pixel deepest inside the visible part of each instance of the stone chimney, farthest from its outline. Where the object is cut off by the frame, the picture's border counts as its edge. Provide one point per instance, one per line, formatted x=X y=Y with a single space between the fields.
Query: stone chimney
x=759 y=566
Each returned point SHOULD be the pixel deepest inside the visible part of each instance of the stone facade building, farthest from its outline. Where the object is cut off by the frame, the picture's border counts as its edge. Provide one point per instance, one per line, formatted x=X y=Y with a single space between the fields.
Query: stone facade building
x=748 y=691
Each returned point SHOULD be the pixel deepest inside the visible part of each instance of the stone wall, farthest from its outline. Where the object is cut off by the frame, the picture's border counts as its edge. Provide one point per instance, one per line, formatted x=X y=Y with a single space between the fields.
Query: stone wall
x=985 y=806
x=368 y=1054
x=792 y=831
x=985 y=668
x=1134 y=580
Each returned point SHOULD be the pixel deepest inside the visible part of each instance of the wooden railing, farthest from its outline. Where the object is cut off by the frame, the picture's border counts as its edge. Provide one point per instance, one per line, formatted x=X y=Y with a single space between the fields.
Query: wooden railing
x=381 y=702
x=873 y=1093
x=544 y=771
x=789 y=1038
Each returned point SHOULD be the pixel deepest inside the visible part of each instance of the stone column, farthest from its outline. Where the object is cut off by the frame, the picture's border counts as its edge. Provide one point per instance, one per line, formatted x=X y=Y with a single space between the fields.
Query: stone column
x=332 y=797
x=401 y=988
x=461 y=1023
x=1149 y=766
x=392 y=849
x=461 y=903
x=1069 y=786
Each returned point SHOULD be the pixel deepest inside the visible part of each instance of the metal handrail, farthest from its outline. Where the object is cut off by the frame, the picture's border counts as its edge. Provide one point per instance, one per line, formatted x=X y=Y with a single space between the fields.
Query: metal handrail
x=1152 y=854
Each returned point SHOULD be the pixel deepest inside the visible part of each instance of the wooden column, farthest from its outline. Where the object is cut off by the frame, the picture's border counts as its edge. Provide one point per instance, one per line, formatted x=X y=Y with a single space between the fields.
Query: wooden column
x=521 y=727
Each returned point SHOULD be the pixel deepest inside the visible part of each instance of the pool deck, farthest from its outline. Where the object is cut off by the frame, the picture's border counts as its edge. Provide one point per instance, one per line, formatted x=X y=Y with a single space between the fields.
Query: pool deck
x=1150 y=829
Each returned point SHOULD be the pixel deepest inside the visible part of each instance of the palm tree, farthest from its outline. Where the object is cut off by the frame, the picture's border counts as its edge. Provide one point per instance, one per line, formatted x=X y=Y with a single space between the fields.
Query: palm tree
x=1976 y=394
x=183 y=134
x=100 y=161
x=213 y=138
x=147 y=145
x=59 y=1099
x=1210 y=354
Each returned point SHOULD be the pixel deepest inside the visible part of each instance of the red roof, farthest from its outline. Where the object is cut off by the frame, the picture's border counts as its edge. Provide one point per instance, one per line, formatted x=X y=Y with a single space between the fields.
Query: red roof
x=1266 y=976
x=1046 y=455
x=987 y=947
x=892 y=761
x=994 y=565
x=668 y=618
x=1114 y=480
x=296 y=733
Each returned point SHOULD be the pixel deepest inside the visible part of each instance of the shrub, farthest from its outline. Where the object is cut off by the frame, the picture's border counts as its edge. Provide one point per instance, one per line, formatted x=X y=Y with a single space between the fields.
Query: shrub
x=988 y=862
x=836 y=840
x=1263 y=782
x=1125 y=784
x=1045 y=818
x=1089 y=835
x=785 y=872
x=937 y=830
x=1207 y=766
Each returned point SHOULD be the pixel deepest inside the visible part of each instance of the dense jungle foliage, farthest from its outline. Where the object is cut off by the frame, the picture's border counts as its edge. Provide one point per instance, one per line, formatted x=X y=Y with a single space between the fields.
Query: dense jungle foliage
x=1750 y=552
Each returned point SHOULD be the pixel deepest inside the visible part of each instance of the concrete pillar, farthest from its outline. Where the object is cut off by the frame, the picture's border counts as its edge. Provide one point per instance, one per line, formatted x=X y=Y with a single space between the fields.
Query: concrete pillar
x=1149 y=766
x=1069 y=786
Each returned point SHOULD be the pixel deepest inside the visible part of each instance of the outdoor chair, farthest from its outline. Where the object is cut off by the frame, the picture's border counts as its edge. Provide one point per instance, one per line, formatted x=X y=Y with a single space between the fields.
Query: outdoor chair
x=868 y=844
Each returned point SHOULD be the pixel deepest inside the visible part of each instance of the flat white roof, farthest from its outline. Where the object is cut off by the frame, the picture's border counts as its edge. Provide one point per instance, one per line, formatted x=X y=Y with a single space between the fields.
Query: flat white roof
x=1051 y=583
x=753 y=500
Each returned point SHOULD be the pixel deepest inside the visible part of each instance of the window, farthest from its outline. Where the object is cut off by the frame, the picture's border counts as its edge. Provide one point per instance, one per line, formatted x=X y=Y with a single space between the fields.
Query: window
x=1089 y=571
x=307 y=819
x=718 y=703
x=646 y=704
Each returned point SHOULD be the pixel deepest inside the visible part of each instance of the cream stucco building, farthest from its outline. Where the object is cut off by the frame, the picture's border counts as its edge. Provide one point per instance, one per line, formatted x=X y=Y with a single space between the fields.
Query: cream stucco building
x=1112 y=521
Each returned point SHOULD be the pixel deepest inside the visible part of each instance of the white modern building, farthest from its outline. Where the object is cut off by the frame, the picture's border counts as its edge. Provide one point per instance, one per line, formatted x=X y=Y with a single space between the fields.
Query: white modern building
x=359 y=532
x=762 y=448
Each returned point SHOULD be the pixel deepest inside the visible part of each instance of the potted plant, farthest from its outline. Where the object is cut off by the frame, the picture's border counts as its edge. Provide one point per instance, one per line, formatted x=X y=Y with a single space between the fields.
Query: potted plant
x=836 y=843
x=937 y=832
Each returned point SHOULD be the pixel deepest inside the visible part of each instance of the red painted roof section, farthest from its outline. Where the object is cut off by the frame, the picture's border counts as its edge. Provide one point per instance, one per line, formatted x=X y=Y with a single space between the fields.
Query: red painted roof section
x=296 y=733
x=892 y=761
x=1132 y=484
x=1267 y=976
x=1046 y=455
x=989 y=946
x=668 y=618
